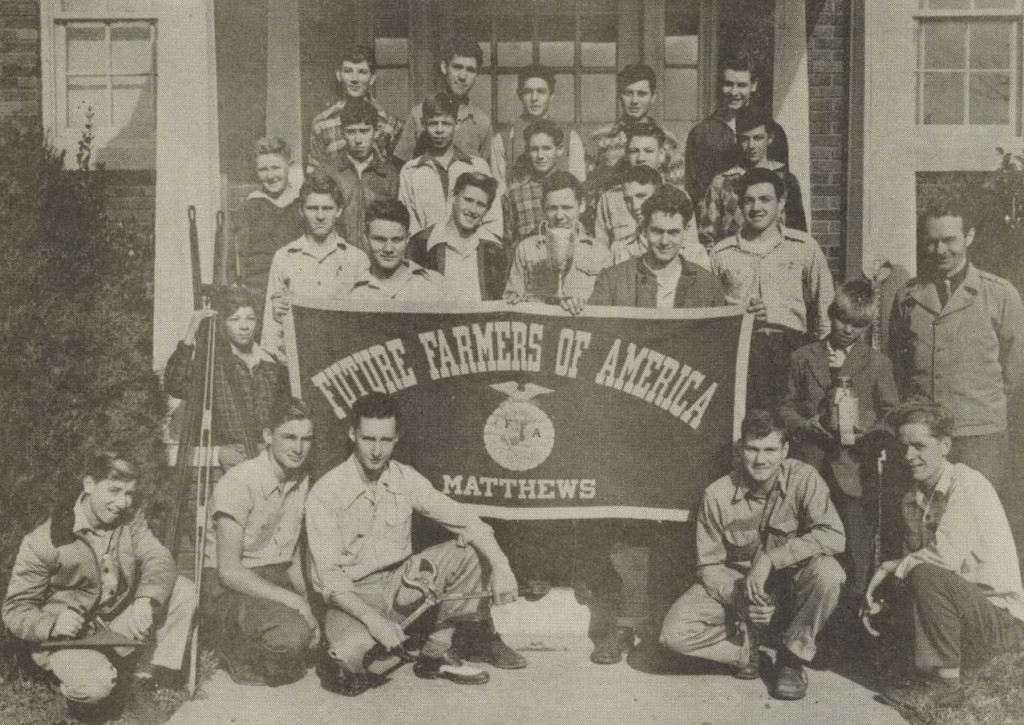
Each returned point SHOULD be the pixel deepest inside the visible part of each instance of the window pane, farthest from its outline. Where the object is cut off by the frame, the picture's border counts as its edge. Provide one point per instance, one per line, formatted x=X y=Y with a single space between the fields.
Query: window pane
x=990 y=45
x=485 y=48
x=681 y=49
x=990 y=98
x=85 y=92
x=557 y=40
x=515 y=46
x=87 y=49
x=509 y=105
x=391 y=19
x=130 y=50
x=392 y=90
x=557 y=53
x=599 y=35
x=943 y=98
x=598 y=55
x=597 y=97
x=481 y=93
x=562 y=103
x=392 y=51
x=681 y=94
x=944 y=44
x=133 y=104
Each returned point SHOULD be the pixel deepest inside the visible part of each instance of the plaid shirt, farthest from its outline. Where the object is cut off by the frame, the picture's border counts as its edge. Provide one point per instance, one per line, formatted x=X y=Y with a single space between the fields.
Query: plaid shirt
x=235 y=420
x=523 y=208
x=327 y=137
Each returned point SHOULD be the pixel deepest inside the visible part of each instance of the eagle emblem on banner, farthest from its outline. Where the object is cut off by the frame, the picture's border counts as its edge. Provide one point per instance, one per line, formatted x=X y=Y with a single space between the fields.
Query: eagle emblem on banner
x=519 y=435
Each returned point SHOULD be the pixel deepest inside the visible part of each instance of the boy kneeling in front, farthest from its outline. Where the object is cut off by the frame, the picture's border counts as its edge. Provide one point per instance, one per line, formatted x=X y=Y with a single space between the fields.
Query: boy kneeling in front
x=359 y=524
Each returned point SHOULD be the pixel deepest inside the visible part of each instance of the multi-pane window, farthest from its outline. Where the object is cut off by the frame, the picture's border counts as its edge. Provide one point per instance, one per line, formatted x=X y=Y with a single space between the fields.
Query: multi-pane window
x=682 y=56
x=578 y=39
x=967 y=62
x=391 y=48
x=105 y=66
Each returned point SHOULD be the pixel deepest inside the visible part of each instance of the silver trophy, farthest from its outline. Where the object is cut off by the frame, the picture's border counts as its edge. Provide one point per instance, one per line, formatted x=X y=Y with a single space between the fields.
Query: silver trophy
x=561 y=244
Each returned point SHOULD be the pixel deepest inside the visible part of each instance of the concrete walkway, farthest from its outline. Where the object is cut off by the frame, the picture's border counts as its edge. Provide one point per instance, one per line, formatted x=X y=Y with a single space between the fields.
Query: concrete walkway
x=560 y=685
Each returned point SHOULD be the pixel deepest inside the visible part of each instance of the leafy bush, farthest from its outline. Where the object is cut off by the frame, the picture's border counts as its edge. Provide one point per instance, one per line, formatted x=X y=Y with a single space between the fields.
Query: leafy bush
x=75 y=326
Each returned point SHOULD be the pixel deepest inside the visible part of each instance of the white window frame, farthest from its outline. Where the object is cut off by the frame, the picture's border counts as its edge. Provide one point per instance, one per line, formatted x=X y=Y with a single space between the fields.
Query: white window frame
x=108 y=148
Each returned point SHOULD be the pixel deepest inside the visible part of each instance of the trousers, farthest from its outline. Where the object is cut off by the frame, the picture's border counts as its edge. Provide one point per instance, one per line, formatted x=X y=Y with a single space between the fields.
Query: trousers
x=88 y=676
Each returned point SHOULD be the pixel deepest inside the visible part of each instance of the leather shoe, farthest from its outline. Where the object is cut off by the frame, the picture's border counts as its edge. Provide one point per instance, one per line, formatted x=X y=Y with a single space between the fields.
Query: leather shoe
x=334 y=678
x=610 y=648
x=478 y=642
x=449 y=667
x=791 y=682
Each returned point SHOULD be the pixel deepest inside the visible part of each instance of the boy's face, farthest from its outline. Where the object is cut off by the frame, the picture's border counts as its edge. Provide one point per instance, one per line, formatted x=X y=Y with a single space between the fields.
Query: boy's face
x=645 y=151
x=636 y=194
x=272 y=171
x=664 y=235
x=636 y=99
x=845 y=331
x=562 y=209
x=754 y=145
x=320 y=212
x=761 y=207
x=763 y=457
x=359 y=140
x=109 y=499
x=737 y=86
x=543 y=153
x=388 y=241
x=355 y=78
x=375 y=440
x=460 y=74
x=241 y=327
x=536 y=97
x=469 y=207
x=440 y=130
x=924 y=453
x=290 y=442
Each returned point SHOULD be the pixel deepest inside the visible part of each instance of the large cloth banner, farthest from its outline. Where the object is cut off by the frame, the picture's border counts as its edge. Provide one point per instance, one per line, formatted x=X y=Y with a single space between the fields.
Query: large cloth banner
x=527 y=413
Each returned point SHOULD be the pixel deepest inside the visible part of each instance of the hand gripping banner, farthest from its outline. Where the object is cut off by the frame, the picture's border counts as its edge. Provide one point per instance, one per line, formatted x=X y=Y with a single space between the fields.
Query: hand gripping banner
x=527 y=413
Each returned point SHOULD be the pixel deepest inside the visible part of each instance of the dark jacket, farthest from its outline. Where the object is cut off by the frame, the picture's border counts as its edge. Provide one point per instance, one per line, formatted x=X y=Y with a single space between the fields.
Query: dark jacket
x=260 y=228
x=379 y=181
x=808 y=383
x=492 y=261
x=633 y=284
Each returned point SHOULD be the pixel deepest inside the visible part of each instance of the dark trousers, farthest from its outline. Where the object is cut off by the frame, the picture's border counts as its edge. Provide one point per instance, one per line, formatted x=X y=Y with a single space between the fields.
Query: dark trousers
x=618 y=568
x=859 y=516
x=255 y=635
x=770 y=348
x=954 y=622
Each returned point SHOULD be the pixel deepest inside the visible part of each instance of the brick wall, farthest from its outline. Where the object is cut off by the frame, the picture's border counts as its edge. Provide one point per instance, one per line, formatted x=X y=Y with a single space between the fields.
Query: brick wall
x=827 y=55
x=19 y=63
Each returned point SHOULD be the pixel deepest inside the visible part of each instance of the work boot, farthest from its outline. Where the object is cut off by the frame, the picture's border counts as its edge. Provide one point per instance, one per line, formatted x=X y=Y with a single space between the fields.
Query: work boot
x=479 y=642
x=791 y=678
x=449 y=667
x=335 y=678
x=610 y=648
x=749 y=666
x=920 y=695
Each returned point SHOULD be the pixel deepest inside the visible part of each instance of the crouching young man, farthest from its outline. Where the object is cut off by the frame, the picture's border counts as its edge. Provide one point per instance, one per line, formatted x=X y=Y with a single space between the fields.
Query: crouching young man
x=767 y=535
x=95 y=565
x=359 y=524
x=960 y=573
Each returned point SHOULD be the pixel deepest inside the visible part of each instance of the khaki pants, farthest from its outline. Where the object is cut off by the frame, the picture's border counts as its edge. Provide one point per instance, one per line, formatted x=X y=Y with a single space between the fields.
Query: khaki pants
x=698 y=624
x=458 y=572
x=88 y=675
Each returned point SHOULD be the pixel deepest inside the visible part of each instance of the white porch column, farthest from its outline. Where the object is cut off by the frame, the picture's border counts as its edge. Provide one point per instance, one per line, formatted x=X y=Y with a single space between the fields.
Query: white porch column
x=791 y=106
x=187 y=161
x=284 y=84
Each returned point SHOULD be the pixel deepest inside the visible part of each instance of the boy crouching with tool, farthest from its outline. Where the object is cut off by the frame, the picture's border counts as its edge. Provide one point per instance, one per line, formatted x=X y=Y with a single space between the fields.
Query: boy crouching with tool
x=92 y=586
x=359 y=525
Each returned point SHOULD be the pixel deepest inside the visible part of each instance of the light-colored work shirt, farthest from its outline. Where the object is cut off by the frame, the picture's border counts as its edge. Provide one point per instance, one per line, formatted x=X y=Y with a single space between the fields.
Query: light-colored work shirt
x=961 y=526
x=461 y=262
x=427 y=190
x=355 y=529
x=268 y=508
x=409 y=282
x=791 y=276
x=532 y=277
x=668 y=279
x=101 y=543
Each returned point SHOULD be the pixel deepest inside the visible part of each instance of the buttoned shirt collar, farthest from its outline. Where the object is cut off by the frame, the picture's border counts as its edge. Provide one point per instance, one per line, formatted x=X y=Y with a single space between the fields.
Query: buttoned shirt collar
x=320 y=252
x=353 y=484
x=831 y=348
x=941 y=488
x=781 y=481
x=374 y=164
x=446 y=233
x=458 y=154
x=82 y=518
x=407 y=269
x=278 y=481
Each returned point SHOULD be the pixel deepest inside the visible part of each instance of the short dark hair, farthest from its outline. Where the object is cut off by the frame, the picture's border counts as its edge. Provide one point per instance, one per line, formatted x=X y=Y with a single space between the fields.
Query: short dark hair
x=560 y=179
x=358 y=110
x=648 y=129
x=440 y=104
x=228 y=300
x=391 y=210
x=286 y=409
x=751 y=116
x=635 y=72
x=110 y=464
x=740 y=61
x=948 y=202
x=375 y=406
x=919 y=409
x=761 y=423
x=359 y=53
x=668 y=200
x=272 y=145
x=535 y=71
x=479 y=180
x=544 y=125
x=462 y=46
x=641 y=175
x=855 y=302
x=760 y=175
x=320 y=182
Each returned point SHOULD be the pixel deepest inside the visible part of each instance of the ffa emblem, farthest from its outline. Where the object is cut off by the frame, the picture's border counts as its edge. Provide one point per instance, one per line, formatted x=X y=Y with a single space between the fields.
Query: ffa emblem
x=519 y=435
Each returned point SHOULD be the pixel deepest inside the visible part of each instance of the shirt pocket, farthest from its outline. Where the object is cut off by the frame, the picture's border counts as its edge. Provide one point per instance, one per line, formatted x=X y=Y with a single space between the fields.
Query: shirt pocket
x=783 y=526
x=398 y=512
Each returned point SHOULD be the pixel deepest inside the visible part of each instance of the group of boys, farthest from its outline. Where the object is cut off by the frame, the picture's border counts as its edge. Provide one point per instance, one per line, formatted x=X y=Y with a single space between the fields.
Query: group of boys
x=781 y=542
